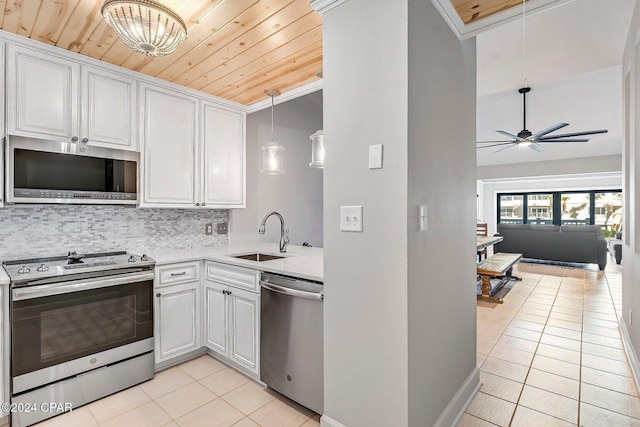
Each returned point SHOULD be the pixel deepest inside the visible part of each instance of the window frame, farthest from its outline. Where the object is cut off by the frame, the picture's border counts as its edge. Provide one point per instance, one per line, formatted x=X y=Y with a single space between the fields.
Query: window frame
x=556 y=202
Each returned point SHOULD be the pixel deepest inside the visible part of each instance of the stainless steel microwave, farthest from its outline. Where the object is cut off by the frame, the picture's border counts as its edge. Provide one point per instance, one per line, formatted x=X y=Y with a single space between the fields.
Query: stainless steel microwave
x=42 y=171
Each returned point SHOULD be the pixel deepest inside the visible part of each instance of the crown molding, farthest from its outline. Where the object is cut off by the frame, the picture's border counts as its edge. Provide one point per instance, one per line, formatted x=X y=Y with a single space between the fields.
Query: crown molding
x=323 y=6
x=314 y=86
x=464 y=31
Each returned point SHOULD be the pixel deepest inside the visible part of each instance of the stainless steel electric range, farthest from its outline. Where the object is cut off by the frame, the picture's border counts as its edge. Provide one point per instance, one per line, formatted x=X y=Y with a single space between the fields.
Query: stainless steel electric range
x=81 y=329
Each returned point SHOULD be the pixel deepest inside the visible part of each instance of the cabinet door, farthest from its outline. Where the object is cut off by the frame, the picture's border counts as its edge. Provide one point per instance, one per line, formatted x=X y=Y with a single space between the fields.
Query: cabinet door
x=223 y=149
x=42 y=95
x=177 y=317
x=216 y=315
x=169 y=146
x=245 y=326
x=2 y=127
x=108 y=105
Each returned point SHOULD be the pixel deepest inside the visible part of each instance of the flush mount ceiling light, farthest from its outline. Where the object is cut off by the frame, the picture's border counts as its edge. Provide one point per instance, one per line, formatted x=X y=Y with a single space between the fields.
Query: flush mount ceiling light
x=317 y=150
x=272 y=152
x=146 y=26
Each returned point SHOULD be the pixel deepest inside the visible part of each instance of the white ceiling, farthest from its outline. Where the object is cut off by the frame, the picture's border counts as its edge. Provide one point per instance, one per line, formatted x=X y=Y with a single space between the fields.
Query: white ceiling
x=574 y=52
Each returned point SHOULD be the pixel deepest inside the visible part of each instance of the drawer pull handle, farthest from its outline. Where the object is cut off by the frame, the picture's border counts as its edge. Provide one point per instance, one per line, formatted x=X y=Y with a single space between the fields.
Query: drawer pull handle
x=158 y=294
x=182 y=273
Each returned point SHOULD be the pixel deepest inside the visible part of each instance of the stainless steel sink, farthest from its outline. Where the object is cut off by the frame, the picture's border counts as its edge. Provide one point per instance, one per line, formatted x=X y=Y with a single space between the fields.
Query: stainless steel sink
x=258 y=256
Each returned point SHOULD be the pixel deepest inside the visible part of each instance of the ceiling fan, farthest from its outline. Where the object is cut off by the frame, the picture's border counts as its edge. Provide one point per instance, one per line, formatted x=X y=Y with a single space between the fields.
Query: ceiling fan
x=533 y=140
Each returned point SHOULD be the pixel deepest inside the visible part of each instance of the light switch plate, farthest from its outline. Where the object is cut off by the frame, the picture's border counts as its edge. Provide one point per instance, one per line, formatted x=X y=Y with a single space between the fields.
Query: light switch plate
x=351 y=218
x=423 y=218
x=375 y=156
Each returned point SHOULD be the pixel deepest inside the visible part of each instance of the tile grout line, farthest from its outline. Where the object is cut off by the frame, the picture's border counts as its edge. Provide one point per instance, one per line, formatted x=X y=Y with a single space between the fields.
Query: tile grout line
x=584 y=284
x=535 y=351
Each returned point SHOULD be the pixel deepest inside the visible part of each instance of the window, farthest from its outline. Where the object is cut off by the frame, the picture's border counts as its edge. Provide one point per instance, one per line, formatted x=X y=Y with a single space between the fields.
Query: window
x=575 y=208
x=511 y=209
x=540 y=208
x=608 y=212
x=603 y=208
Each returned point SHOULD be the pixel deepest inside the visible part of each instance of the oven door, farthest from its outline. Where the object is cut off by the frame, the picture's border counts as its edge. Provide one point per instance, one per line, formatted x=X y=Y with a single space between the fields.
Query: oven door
x=63 y=329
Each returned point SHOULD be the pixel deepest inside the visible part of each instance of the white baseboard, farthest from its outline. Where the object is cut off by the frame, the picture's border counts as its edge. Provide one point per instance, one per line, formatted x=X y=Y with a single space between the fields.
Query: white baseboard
x=454 y=411
x=632 y=357
x=326 y=421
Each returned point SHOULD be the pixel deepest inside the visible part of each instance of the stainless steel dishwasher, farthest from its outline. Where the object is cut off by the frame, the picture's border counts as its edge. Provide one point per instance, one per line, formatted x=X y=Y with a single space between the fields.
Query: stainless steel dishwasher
x=291 y=339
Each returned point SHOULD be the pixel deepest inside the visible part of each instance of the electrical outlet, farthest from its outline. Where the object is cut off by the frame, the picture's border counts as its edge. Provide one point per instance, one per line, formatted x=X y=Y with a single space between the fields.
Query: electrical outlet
x=208 y=229
x=222 y=228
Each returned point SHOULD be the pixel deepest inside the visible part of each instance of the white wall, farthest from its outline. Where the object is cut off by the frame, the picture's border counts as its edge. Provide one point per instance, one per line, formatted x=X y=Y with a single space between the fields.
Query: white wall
x=398 y=78
x=581 y=165
x=297 y=194
x=631 y=169
x=442 y=175
x=365 y=305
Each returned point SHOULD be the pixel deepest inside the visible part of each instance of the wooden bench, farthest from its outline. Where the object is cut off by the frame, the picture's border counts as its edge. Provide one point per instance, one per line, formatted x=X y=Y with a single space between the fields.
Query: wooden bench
x=498 y=266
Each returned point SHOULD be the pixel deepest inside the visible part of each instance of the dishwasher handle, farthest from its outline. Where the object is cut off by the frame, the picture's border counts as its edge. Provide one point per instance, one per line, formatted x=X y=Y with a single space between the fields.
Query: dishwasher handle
x=318 y=296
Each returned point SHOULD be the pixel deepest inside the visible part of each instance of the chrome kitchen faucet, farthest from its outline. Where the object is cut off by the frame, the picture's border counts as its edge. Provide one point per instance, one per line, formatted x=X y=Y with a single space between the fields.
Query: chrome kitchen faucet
x=284 y=234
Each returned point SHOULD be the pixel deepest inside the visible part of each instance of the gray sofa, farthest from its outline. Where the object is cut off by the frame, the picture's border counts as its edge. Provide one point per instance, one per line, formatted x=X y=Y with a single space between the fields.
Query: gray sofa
x=567 y=243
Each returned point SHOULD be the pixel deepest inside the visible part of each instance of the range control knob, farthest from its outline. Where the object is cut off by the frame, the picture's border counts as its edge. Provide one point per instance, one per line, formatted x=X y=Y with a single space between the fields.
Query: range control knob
x=24 y=270
x=132 y=258
x=42 y=268
x=144 y=257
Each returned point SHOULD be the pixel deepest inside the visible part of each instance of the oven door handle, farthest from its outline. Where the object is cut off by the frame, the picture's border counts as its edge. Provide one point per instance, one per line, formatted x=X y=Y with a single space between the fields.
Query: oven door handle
x=38 y=291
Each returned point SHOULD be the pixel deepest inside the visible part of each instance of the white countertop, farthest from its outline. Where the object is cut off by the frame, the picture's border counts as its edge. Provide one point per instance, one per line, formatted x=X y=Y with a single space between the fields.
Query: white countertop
x=298 y=261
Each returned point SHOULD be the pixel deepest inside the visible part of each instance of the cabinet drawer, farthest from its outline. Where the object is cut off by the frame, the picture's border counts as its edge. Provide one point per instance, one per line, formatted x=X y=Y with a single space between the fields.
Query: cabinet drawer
x=178 y=273
x=244 y=278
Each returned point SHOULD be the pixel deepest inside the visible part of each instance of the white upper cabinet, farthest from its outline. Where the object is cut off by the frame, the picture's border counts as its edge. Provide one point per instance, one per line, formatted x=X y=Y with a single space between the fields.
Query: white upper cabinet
x=42 y=94
x=223 y=149
x=169 y=146
x=193 y=152
x=43 y=100
x=2 y=128
x=108 y=108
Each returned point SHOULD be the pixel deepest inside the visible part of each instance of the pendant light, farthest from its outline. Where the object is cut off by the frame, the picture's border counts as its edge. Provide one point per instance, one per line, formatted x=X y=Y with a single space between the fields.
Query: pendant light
x=272 y=152
x=146 y=26
x=317 y=150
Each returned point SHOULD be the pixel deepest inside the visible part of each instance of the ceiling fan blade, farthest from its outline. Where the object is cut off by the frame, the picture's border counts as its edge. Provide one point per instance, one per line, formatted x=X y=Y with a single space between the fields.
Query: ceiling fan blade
x=506 y=148
x=497 y=145
x=548 y=130
x=569 y=135
x=536 y=147
x=509 y=135
x=493 y=142
x=545 y=141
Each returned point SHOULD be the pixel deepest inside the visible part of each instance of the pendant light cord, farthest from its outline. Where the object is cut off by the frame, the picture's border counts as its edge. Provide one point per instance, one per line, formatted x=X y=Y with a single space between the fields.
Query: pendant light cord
x=524 y=41
x=272 y=138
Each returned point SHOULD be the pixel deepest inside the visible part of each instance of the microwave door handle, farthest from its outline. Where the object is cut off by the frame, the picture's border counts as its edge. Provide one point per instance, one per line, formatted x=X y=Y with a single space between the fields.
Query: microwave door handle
x=29 y=292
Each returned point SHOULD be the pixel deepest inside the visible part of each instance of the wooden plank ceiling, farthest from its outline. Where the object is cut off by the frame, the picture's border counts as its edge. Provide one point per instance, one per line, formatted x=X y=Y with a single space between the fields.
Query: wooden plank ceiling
x=474 y=10
x=235 y=49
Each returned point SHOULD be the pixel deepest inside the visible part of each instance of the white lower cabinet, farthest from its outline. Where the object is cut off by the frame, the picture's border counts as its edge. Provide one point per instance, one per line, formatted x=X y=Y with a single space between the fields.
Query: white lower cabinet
x=176 y=311
x=232 y=316
x=229 y=323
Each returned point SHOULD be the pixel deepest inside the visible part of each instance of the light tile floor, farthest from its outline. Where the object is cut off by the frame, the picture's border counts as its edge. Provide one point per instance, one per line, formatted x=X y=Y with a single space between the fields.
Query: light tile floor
x=200 y=392
x=552 y=354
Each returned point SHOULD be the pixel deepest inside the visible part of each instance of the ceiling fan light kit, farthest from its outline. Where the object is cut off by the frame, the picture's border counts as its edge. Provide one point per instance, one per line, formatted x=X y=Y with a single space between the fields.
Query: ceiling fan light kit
x=526 y=138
